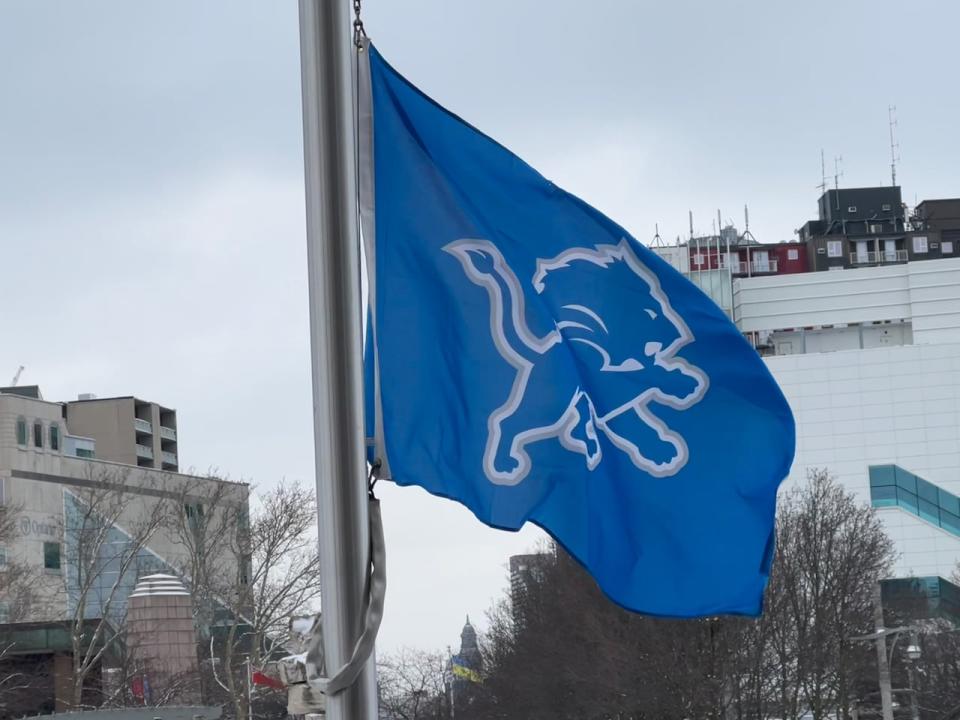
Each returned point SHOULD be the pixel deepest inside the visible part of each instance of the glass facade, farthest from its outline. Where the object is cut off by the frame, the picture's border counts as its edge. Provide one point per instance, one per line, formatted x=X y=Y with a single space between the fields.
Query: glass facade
x=892 y=486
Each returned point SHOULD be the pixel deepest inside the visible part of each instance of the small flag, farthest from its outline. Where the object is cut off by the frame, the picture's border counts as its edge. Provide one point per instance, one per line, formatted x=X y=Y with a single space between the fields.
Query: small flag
x=461 y=670
x=531 y=360
x=261 y=678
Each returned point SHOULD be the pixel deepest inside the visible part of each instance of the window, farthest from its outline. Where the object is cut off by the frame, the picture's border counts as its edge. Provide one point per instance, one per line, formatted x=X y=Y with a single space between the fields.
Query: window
x=946 y=247
x=3 y=491
x=892 y=486
x=885 y=207
x=852 y=209
x=55 y=437
x=84 y=453
x=698 y=259
x=4 y=612
x=194 y=513
x=22 y=432
x=38 y=434
x=51 y=556
x=920 y=244
x=793 y=254
x=876 y=228
x=834 y=248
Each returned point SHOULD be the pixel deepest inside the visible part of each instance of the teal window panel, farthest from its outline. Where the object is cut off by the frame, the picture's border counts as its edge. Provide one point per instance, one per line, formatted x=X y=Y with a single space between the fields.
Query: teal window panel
x=882 y=475
x=883 y=496
x=908 y=500
x=949 y=502
x=929 y=511
x=950 y=522
x=928 y=491
x=906 y=480
x=51 y=556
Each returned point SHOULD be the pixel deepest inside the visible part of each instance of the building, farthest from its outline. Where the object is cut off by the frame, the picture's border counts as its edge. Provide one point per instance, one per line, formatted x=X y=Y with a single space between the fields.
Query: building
x=869 y=360
x=127 y=430
x=712 y=262
x=860 y=227
x=89 y=526
x=526 y=572
x=868 y=356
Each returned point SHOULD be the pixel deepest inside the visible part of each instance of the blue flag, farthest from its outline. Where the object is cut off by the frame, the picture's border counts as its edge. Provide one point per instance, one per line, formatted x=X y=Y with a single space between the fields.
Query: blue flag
x=531 y=360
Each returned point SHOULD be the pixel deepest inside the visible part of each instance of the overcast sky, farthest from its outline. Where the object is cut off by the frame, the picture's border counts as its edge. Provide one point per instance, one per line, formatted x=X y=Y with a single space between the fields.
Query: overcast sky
x=151 y=190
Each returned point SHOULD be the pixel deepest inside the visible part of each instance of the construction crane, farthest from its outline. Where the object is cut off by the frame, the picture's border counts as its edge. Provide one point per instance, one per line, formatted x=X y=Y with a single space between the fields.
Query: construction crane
x=16 y=378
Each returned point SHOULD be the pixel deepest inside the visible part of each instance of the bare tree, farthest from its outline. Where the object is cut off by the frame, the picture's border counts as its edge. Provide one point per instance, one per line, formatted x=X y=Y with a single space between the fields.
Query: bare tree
x=266 y=570
x=106 y=528
x=412 y=685
x=571 y=653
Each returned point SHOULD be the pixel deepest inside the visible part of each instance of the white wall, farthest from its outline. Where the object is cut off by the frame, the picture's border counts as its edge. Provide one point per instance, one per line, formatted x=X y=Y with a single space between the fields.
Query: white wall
x=898 y=405
x=926 y=293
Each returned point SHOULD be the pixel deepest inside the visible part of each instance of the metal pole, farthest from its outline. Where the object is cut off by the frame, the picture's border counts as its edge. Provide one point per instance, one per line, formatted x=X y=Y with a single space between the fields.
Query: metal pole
x=249 y=690
x=333 y=263
x=883 y=665
x=914 y=705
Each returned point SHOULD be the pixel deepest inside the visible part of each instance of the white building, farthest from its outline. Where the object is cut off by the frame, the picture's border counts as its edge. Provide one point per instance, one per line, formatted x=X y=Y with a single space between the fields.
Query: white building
x=869 y=360
x=50 y=479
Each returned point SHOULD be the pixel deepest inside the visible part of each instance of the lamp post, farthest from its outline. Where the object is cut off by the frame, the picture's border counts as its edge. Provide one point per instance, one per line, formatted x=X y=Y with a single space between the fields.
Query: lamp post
x=913 y=654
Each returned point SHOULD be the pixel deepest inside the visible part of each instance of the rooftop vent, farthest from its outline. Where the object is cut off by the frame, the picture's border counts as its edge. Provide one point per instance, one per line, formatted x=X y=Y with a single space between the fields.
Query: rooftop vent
x=86 y=396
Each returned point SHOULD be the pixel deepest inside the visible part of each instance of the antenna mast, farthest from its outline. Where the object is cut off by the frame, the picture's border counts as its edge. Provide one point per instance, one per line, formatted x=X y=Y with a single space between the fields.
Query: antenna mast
x=894 y=145
x=823 y=174
x=657 y=240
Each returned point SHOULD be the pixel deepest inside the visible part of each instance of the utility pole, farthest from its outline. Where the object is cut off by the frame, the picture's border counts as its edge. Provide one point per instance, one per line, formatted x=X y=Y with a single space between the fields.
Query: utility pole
x=883 y=664
x=333 y=266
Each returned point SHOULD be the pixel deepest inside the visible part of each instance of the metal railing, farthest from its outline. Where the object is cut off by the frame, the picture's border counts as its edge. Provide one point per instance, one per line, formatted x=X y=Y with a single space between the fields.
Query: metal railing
x=144 y=426
x=144 y=451
x=873 y=257
x=754 y=267
x=168 y=433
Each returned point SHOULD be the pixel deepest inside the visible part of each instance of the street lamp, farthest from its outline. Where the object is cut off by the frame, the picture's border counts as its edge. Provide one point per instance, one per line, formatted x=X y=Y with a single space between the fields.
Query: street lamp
x=913 y=654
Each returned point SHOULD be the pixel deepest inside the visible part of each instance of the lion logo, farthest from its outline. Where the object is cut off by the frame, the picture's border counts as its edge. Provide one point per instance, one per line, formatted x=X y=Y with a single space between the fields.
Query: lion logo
x=584 y=376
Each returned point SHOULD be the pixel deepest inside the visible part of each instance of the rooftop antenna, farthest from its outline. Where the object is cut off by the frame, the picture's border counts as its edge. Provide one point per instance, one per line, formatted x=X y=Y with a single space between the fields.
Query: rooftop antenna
x=747 y=235
x=837 y=172
x=894 y=145
x=823 y=174
x=16 y=377
x=690 y=212
x=657 y=240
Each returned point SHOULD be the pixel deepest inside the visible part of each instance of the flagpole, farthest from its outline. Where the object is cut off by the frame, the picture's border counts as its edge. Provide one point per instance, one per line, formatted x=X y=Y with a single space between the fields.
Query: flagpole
x=333 y=260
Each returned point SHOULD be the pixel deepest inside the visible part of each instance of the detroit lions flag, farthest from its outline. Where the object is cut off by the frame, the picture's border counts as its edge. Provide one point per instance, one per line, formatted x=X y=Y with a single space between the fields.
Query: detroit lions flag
x=531 y=360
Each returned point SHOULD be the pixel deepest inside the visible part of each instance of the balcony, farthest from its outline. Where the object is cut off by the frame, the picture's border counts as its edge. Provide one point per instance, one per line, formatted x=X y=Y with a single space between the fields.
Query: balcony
x=168 y=458
x=144 y=452
x=168 y=433
x=878 y=258
x=143 y=426
x=754 y=267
